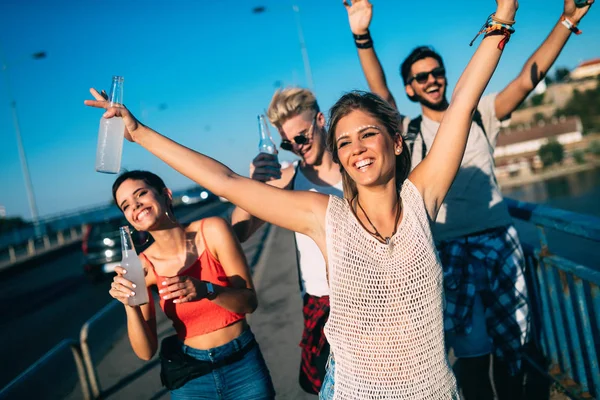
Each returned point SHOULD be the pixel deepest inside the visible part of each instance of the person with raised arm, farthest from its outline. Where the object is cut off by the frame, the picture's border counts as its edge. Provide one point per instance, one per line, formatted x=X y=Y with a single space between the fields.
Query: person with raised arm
x=385 y=327
x=301 y=124
x=486 y=301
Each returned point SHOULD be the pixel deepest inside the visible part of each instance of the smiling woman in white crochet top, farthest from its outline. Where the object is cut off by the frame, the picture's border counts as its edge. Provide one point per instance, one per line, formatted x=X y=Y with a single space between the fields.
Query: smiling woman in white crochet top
x=385 y=327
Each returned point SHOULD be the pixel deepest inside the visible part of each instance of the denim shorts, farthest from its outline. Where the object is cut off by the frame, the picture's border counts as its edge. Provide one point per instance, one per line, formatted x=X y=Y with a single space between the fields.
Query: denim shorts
x=327 y=389
x=475 y=343
x=247 y=379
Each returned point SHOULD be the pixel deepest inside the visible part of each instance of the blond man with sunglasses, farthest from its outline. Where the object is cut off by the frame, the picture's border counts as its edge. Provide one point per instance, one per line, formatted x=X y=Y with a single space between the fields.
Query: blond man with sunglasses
x=486 y=305
x=296 y=115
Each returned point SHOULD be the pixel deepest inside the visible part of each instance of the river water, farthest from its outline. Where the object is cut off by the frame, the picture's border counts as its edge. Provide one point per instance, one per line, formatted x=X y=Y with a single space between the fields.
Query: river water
x=578 y=192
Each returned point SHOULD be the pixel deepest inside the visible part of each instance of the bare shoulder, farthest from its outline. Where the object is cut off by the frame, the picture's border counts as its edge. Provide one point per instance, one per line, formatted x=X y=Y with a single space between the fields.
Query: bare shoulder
x=210 y=226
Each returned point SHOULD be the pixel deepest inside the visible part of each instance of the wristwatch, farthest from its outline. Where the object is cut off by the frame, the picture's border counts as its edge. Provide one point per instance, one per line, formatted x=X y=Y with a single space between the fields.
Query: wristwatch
x=210 y=291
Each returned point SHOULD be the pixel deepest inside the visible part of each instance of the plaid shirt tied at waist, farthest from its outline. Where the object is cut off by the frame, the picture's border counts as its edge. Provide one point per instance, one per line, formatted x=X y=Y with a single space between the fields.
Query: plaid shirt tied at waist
x=489 y=264
x=316 y=312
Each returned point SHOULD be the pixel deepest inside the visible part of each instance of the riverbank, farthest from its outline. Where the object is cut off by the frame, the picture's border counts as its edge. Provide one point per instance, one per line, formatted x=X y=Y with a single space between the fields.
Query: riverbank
x=550 y=173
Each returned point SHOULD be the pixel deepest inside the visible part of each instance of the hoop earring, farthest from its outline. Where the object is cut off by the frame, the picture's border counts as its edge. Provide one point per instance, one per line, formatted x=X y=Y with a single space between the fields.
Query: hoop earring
x=137 y=234
x=172 y=219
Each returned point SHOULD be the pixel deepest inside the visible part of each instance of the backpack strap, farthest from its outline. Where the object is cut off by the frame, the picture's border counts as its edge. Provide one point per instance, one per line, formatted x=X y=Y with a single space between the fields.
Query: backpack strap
x=479 y=121
x=293 y=181
x=414 y=130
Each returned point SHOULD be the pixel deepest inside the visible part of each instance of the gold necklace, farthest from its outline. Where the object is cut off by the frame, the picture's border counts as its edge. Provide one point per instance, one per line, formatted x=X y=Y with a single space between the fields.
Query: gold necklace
x=376 y=233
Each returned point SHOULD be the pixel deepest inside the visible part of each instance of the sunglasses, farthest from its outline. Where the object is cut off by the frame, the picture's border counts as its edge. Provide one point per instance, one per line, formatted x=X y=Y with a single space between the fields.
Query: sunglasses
x=298 y=139
x=422 y=77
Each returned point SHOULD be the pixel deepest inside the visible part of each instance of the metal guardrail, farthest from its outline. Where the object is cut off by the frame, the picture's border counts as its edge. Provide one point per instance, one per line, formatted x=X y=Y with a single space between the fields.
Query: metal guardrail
x=94 y=345
x=565 y=301
x=50 y=377
x=35 y=247
x=66 y=220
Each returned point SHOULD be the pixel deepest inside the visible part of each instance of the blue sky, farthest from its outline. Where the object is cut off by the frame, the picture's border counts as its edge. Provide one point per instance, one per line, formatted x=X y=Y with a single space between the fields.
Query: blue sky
x=215 y=66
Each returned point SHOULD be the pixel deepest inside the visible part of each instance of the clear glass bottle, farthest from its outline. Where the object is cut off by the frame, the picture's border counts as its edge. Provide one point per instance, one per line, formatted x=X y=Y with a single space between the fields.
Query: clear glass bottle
x=110 y=134
x=265 y=144
x=133 y=265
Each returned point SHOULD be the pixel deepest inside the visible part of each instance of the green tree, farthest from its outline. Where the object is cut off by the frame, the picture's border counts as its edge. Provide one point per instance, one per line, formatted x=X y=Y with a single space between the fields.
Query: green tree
x=8 y=224
x=561 y=74
x=586 y=105
x=537 y=117
x=594 y=147
x=537 y=99
x=551 y=153
x=579 y=156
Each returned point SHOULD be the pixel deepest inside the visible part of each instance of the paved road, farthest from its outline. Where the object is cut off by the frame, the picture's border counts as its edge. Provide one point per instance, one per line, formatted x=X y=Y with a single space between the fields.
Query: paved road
x=45 y=304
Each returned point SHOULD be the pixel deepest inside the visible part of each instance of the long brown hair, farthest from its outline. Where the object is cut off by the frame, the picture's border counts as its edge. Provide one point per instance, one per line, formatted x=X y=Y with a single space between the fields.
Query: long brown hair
x=379 y=109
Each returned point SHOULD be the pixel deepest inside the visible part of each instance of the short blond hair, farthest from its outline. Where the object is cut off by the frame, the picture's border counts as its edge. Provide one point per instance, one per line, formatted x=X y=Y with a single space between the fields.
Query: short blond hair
x=289 y=102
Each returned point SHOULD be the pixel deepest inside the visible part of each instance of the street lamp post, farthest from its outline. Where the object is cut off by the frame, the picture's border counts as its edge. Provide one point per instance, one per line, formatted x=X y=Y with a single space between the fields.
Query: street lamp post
x=305 y=60
x=23 y=158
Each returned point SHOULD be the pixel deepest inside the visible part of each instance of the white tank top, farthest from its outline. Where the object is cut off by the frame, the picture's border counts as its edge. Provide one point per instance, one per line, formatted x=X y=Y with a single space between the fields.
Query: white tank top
x=385 y=326
x=313 y=274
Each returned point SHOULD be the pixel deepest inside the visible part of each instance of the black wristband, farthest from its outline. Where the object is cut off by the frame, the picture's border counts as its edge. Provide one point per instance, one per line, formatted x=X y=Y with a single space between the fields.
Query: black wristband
x=362 y=37
x=365 y=45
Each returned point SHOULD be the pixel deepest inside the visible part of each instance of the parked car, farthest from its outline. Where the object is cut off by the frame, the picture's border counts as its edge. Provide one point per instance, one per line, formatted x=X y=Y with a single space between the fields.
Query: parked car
x=101 y=247
x=196 y=195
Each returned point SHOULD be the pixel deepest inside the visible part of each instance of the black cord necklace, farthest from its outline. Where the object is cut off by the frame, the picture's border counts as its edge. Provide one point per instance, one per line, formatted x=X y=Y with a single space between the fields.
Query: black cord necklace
x=376 y=233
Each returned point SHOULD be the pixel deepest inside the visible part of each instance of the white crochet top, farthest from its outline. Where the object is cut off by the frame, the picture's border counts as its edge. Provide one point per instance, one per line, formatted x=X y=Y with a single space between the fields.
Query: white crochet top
x=385 y=326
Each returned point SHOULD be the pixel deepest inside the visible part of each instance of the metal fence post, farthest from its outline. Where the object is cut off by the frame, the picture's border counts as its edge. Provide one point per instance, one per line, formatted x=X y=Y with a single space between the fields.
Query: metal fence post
x=30 y=247
x=112 y=315
x=36 y=382
x=11 y=254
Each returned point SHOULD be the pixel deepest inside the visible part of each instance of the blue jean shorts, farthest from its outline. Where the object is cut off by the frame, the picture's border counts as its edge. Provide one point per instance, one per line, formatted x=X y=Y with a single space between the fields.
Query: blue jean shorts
x=475 y=343
x=327 y=391
x=246 y=379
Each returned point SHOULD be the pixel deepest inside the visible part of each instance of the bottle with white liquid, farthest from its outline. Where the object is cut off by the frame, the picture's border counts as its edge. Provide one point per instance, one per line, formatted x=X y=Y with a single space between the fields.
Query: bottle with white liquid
x=265 y=144
x=111 y=132
x=135 y=271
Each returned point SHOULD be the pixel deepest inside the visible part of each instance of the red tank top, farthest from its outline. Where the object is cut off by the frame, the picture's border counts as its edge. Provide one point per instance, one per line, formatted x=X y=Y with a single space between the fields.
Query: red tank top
x=201 y=316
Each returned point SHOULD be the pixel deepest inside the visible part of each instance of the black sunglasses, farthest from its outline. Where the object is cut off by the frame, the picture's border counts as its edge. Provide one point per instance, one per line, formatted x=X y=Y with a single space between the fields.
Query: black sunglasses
x=422 y=77
x=298 y=139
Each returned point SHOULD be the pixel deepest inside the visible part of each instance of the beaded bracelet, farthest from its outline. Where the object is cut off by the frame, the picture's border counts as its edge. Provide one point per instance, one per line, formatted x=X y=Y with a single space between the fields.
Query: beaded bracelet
x=495 y=26
x=570 y=25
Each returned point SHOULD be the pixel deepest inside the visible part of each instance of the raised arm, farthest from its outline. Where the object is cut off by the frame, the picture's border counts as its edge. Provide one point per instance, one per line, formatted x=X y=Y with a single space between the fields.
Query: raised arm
x=360 y=13
x=302 y=212
x=434 y=175
x=536 y=68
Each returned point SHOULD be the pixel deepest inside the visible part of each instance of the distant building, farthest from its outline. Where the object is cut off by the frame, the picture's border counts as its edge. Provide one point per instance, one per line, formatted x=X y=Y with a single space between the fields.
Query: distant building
x=2 y=211
x=557 y=95
x=585 y=70
x=517 y=147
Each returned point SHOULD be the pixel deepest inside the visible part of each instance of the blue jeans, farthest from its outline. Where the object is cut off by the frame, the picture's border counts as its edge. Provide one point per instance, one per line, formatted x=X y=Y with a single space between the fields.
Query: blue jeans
x=247 y=379
x=327 y=391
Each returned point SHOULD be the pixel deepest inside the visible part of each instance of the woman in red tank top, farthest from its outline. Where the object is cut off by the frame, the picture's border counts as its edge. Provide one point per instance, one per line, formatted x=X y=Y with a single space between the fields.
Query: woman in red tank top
x=205 y=289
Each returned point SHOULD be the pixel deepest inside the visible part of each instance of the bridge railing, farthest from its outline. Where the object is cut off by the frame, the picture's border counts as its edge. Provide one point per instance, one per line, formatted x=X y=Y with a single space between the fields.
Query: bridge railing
x=564 y=299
